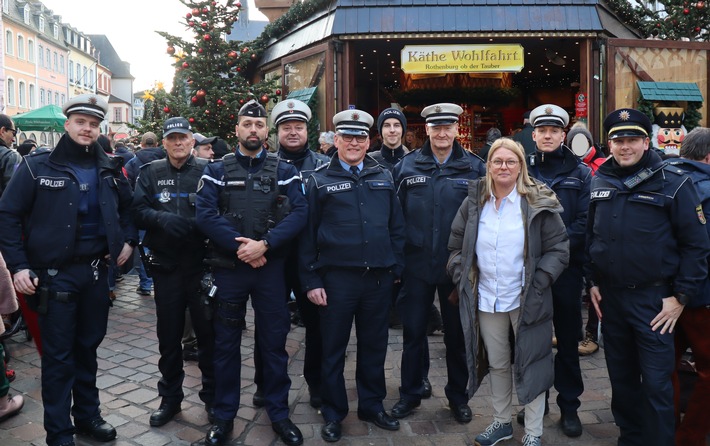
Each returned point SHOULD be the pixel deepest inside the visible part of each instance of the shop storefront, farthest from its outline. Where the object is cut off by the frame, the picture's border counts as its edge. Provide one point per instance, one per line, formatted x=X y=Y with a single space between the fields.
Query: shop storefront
x=495 y=61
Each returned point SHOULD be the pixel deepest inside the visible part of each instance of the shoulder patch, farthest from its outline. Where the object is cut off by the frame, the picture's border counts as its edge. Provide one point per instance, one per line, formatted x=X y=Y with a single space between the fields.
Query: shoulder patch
x=701 y=214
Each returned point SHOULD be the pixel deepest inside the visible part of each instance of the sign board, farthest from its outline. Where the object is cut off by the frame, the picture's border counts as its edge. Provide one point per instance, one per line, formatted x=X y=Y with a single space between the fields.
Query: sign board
x=580 y=105
x=462 y=58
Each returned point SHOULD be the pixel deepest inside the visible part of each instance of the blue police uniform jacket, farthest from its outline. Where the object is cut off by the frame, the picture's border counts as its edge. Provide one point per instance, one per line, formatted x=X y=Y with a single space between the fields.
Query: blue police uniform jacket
x=570 y=179
x=222 y=232
x=387 y=157
x=645 y=228
x=39 y=212
x=305 y=160
x=352 y=222
x=162 y=188
x=431 y=194
x=699 y=173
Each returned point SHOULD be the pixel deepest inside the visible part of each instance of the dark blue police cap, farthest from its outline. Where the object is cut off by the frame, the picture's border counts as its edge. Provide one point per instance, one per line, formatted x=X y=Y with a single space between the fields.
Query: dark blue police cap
x=253 y=109
x=627 y=122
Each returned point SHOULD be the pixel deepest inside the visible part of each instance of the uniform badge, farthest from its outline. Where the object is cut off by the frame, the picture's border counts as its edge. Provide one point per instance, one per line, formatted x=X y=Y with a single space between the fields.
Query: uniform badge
x=200 y=184
x=437 y=109
x=701 y=214
x=164 y=196
x=548 y=110
x=355 y=116
x=624 y=115
x=290 y=104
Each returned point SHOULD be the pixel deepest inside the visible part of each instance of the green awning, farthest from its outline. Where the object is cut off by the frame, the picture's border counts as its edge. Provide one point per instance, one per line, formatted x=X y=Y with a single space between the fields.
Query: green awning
x=49 y=117
x=304 y=95
x=670 y=91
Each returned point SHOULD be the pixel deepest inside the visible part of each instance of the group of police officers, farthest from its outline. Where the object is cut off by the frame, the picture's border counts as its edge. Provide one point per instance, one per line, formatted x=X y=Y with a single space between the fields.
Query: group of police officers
x=347 y=235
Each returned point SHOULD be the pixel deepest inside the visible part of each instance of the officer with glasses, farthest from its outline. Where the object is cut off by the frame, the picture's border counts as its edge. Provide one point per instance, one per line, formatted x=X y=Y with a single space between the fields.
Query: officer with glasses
x=9 y=158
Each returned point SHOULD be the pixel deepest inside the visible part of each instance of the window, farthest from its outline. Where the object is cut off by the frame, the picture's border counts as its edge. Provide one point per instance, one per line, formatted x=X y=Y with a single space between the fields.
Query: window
x=20 y=47
x=64 y=99
x=9 y=44
x=56 y=61
x=56 y=98
x=91 y=78
x=11 y=92
x=48 y=61
x=117 y=114
x=49 y=97
x=40 y=52
x=30 y=50
x=26 y=14
x=41 y=24
x=61 y=64
x=41 y=97
x=86 y=80
x=55 y=31
x=78 y=73
x=71 y=71
x=6 y=6
x=22 y=94
x=33 y=96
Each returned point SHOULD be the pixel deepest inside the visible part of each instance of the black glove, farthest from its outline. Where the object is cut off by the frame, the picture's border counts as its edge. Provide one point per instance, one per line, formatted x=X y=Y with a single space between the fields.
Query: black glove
x=174 y=225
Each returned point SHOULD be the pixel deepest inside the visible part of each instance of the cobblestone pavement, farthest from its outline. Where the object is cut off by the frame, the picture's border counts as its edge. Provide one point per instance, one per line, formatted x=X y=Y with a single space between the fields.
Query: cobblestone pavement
x=128 y=376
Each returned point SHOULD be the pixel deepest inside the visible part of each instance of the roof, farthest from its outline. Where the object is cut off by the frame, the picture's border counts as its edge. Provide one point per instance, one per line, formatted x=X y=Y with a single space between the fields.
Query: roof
x=304 y=95
x=109 y=58
x=373 y=19
x=116 y=100
x=670 y=91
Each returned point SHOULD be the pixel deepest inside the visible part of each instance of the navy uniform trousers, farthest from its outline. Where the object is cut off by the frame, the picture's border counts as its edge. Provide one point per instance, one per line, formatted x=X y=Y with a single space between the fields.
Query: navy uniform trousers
x=640 y=364
x=174 y=292
x=71 y=333
x=266 y=287
x=414 y=307
x=567 y=319
x=364 y=295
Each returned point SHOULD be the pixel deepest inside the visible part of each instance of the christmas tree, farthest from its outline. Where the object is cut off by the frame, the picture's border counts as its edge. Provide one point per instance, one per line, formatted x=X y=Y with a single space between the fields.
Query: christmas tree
x=211 y=74
x=668 y=19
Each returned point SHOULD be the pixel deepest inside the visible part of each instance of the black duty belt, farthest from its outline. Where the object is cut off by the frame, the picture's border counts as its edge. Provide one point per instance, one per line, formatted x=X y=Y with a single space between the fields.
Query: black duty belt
x=78 y=260
x=62 y=296
x=657 y=283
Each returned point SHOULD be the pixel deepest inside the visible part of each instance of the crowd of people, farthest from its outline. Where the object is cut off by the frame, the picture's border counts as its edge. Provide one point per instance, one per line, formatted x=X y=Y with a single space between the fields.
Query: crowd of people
x=509 y=242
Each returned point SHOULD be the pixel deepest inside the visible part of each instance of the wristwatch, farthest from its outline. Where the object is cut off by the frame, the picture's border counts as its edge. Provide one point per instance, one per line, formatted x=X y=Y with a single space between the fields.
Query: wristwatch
x=266 y=243
x=683 y=299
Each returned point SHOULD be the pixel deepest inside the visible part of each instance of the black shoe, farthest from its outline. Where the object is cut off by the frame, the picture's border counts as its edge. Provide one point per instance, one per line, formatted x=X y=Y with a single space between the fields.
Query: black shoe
x=403 y=408
x=189 y=353
x=380 y=419
x=520 y=418
x=98 y=429
x=288 y=432
x=258 y=399
x=462 y=413
x=331 y=432
x=570 y=424
x=426 y=394
x=316 y=400
x=219 y=432
x=164 y=413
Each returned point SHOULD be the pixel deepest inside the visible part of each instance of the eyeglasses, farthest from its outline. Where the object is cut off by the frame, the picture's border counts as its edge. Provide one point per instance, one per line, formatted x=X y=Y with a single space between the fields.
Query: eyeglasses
x=349 y=138
x=509 y=163
x=14 y=131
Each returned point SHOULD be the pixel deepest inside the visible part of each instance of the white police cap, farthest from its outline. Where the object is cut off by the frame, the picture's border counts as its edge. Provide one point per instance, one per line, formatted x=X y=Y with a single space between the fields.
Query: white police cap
x=87 y=104
x=441 y=114
x=290 y=110
x=353 y=122
x=549 y=114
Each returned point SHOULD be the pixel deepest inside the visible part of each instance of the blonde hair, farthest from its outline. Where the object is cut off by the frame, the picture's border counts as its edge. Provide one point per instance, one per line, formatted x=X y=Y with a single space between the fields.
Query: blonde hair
x=522 y=183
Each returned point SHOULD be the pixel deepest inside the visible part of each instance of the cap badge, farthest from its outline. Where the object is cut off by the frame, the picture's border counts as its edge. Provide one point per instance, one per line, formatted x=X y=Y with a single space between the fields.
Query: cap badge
x=355 y=116
x=92 y=100
x=548 y=110
x=437 y=109
x=290 y=104
x=624 y=115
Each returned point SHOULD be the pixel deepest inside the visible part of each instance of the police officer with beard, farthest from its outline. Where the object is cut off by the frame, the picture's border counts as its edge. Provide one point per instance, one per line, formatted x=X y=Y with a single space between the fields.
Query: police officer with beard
x=648 y=250
x=164 y=205
x=65 y=216
x=431 y=184
x=558 y=167
x=251 y=206
x=290 y=117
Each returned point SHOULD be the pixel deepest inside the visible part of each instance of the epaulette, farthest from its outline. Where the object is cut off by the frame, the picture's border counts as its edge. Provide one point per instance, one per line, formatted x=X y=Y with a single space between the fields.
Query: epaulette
x=40 y=151
x=673 y=169
x=321 y=167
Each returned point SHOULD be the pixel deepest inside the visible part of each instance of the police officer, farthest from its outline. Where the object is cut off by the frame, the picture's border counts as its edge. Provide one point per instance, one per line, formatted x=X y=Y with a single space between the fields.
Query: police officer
x=431 y=184
x=71 y=205
x=648 y=247
x=164 y=205
x=391 y=125
x=243 y=207
x=559 y=168
x=9 y=157
x=291 y=117
x=351 y=255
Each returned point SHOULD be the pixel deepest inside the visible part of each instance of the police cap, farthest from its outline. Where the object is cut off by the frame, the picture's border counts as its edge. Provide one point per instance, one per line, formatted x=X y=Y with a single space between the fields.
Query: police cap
x=391 y=113
x=253 y=109
x=87 y=104
x=290 y=110
x=201 y=139
x=353 y=122
x=177 y=124
x=549 y=114
x=441 y=114
x=627 y=122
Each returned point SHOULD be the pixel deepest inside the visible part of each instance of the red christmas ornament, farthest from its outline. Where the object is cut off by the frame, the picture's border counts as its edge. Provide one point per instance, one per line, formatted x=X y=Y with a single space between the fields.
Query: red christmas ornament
x=194 y=100
x=188 y=16
x=231 y=116
x=245 y=50
x=196 y=12
x=278 y=92
x=166 y=109
x=192 y=120
x=697 y=29
x=239 y=69
x=205 y=10
x=200 y=50
x=207 y=37
x=207 y=112
x=253 y=56
x=171 y=50
x=214 y=3
x=232 y=55
x=191 y=23
x=201 y=93
x=700 y=5
x=204 y=25
x=241 y=102
x=686 y=11
x=239 y=5
x=264 y=99
x=185 y=65
x=220 y=102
